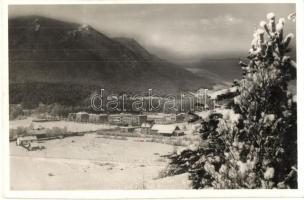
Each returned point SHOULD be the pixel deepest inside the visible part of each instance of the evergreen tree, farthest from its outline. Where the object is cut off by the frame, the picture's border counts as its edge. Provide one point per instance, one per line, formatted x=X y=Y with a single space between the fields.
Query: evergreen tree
x=257 y=147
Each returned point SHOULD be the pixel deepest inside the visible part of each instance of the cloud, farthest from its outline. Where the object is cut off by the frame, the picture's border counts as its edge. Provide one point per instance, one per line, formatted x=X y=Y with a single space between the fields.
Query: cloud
x=227 y=19
x=193 y=30
x=231 y=20
x=205 y=21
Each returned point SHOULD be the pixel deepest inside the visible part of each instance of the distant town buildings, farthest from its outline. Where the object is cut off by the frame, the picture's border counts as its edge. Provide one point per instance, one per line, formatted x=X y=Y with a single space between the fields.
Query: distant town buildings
x=86 y=117
x=98 y=118
x=162 y=118
x=127 y=119
x=159 y=123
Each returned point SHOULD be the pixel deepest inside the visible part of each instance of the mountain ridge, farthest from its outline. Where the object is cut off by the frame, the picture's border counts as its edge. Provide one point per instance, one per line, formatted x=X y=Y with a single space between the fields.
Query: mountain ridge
x=46 y=50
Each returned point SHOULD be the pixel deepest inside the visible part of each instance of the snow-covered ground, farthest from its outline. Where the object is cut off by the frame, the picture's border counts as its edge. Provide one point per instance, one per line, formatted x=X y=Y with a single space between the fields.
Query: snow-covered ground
x=92 y=162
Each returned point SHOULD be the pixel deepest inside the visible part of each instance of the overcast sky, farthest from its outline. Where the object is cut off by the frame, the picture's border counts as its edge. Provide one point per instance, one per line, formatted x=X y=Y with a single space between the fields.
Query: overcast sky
x=190 y=31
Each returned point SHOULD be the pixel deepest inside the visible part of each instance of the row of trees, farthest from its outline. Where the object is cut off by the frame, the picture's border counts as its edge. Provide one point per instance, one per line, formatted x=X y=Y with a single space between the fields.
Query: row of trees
x=32 y=93
x=42 y=110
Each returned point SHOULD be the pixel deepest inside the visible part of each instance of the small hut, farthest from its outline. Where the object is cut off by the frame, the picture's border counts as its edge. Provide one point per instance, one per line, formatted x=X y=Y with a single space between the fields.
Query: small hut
x=25 y=140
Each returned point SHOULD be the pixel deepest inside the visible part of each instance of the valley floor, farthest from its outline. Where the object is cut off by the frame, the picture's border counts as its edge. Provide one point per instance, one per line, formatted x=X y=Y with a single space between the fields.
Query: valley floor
x=91 y=162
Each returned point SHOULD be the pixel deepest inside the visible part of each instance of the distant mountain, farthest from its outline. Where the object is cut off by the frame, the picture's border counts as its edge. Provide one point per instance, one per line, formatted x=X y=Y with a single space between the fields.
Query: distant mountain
x=45 y=50
x=135 y=47
x=223 y=67
x=221 y=70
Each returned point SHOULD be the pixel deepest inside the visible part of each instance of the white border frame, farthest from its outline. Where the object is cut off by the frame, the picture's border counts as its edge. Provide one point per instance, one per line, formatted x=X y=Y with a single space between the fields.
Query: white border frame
x=147 y=194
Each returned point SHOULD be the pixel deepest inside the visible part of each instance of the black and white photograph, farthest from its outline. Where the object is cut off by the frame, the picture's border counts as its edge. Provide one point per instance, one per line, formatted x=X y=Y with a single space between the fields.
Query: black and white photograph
x=152 y=96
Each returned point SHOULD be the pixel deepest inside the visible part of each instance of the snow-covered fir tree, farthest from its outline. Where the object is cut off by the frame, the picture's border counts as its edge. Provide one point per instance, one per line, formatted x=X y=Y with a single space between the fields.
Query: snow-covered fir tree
x=256 y=146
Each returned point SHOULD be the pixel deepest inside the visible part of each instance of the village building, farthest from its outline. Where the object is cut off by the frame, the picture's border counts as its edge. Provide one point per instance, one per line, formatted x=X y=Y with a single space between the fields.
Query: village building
x=114 y=119
x=93 y=118
x=127 y=119
x=85 y=117
x=102 y=118
x=82 y=117
x=162 y=118
x=134 y=120
x=98 y=118
x=47 y=117
x=28 y=142
x=127 y=129
x=222 y=97
x=24 y=140
x=166 y=130
x=145 y=128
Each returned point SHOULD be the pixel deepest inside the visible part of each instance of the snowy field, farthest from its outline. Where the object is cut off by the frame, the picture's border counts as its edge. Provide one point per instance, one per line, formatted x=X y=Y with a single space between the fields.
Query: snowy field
x=92 y=162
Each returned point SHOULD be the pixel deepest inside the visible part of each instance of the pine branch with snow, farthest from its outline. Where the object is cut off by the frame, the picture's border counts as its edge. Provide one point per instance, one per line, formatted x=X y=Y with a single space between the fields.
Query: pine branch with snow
x=258 y=148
